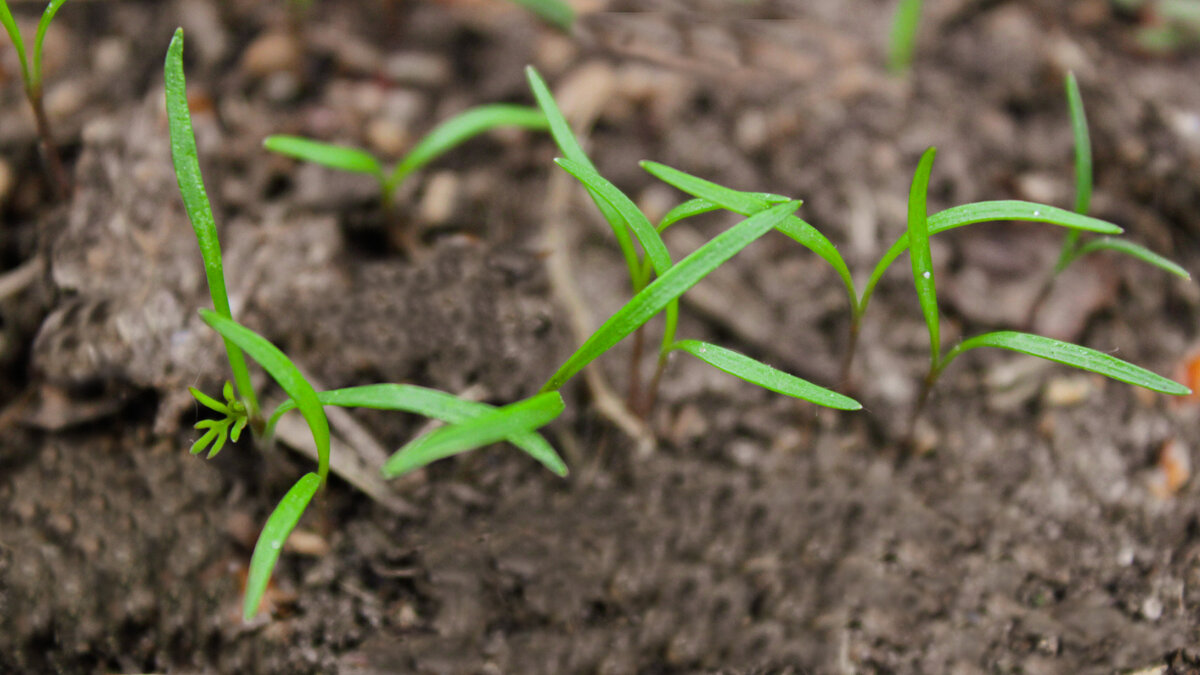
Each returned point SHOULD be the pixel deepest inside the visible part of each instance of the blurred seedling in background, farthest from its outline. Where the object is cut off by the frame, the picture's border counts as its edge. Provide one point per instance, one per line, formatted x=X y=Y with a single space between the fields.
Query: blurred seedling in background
x=903 y=39
x=442 y=139
x=472 y=425
x=1072 y=247
x=1167 y=25
x=31 y=76
x=1026 y=343
x=554 y=12
x=658 y=282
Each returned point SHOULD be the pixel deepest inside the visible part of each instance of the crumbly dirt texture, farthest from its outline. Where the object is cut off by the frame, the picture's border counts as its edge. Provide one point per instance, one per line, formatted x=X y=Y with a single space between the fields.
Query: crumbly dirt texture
x=1046 y=522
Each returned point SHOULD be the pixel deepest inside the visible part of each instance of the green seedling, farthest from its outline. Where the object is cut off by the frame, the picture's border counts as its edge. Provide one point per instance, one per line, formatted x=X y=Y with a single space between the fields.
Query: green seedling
x=1026 y=343
x=31 y=76
x=436 y=143
x=671 y=280
x=475 y=424
x=554 y=12
x=1072 y=249
x=903 y=39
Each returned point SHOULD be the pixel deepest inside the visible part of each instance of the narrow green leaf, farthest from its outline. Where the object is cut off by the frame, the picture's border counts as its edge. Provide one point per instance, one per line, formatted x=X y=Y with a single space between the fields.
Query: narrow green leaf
x=554 y=12
x=757 y=372
x=922 y=257
x=903 y=39
x=208 y=401
x=646 y=234
x=565 y=139
x=682 y=276
x=459 y=129
x=281 y=368
x=203 y=441
x=490 y=427
x=1083 y=146
x=749 y=203
x=279 y=525
x=692 y=207
x=981 y=212
x=432 y=403
x=14 y=33
x=195 y=202
x=39 y=38
x=1072 y=355
x=1133 y=250
x=340 y=157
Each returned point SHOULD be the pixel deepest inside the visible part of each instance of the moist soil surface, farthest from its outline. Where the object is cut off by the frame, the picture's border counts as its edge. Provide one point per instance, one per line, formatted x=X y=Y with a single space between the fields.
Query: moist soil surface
x=1041 y=520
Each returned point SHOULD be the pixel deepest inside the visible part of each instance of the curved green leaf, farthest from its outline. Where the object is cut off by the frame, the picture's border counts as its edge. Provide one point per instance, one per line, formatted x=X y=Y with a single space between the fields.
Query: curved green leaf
x=981 y=212
x=281 y=368
x=565 y=139
x=430 y=403
x=38 y=39
x=279 y=525
x=749 y=203
x=340 y=157
x=922 y=257
x=490 y=427
x=1133 y=250
x=682 y=276
x=14 y=33
x=757 y=372
x=1072 y=355
x=554 y=12
x=692 y=207
x=195 y=202
x=459 y=129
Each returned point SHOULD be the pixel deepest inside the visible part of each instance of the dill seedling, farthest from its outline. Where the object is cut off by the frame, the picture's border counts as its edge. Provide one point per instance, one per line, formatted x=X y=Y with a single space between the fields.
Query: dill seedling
x=31 y=76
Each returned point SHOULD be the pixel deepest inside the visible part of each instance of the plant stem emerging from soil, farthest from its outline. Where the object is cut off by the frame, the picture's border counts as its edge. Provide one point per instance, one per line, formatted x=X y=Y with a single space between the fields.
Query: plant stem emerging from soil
x=54 y=166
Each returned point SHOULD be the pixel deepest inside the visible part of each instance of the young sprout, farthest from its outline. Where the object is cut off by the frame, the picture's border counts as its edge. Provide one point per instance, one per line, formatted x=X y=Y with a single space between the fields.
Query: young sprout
x=436 y=143
x=475 y=424
x=671 y=280
x=903 y=40
x=554 y=12
x=31 y=76
x=1072 y=250
x=1035 y=345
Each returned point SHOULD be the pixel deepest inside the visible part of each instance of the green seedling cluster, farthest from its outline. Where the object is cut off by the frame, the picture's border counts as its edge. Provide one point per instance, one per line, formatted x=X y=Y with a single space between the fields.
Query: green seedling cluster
x=31 y=76
x=657 y=283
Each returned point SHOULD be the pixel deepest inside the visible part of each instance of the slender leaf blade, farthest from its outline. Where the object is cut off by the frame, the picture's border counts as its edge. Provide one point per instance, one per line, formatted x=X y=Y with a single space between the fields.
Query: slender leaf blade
x=749 y=203
x=340 y=157
x=1075 y=356
x=39 y=38
x=14 y=33
x=692 y=207
x=186 y=160
x=554 y=12
x=919 y=252
x=1135 y=251
x=462 y=127
x=279 y=526
x=1083 y=146
x=767 y=377
x=682 y=276
x=490 y=427
x=903 y=39
x=431 y=403
x=283 y=371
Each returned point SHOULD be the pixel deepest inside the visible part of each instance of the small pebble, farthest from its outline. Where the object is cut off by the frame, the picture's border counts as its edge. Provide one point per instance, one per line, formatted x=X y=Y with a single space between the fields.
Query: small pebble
x=1172 y=471
x=441 y=196
x=1067 y=391
x=1152 y=608
x=307 y=543
x=271 y=53
x=417 y=68
x=386 y=137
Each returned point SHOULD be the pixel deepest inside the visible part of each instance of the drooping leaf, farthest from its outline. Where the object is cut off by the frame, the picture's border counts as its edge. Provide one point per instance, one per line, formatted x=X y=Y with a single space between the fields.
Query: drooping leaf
x=1133 y=250
x=922 y=257
x=749 y=203
x=461 y=128
x=284 y=372
x=757 y=372
x=1072 y=355
x=279 y=525
x=340 y=157
x=490 y=427
x=195 y=202
x=682 y=276
x=430 y=403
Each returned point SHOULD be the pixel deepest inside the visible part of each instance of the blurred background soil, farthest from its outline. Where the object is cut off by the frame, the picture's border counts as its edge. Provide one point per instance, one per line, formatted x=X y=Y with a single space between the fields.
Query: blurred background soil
x=1047 y=525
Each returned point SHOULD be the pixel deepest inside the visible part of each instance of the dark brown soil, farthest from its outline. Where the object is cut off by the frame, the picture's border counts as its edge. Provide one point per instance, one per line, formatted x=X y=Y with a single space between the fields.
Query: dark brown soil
x=1036 y=530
